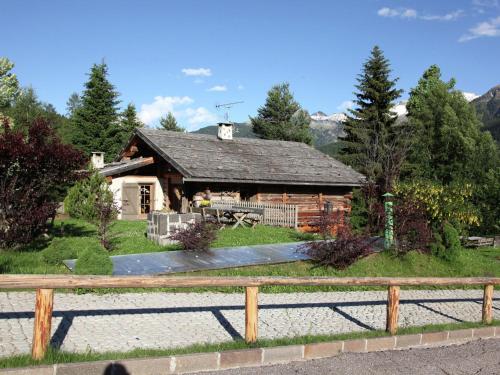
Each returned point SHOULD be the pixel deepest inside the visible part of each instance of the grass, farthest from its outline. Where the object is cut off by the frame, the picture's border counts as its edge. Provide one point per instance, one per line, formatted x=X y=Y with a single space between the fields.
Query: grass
x=57 y=356
x=129 y=237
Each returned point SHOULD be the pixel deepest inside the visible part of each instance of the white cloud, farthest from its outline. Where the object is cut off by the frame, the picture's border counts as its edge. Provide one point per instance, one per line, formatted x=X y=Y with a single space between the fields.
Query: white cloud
x=198 y=116
x=388 y=12
x=345 y=105
x=409 y=13
x=241 y=87
x=470 y=96
x=203 y=72
x=218 y=88
x=445 y=17
x=161 y=106
x=489 y=28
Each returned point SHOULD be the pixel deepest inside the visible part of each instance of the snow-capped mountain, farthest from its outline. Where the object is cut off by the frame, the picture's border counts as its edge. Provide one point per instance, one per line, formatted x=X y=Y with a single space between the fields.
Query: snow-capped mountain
x=321 y=116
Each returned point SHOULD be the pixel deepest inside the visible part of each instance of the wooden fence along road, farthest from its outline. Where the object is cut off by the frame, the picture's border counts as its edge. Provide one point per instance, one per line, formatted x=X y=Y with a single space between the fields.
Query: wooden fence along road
x=45 y=285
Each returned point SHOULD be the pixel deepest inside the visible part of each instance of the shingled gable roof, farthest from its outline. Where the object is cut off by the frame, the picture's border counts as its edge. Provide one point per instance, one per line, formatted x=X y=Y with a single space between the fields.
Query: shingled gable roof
x=201 y=157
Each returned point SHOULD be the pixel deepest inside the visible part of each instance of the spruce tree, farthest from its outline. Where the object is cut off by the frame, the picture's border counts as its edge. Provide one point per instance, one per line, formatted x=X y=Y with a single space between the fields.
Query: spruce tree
x=96 y=121
x=169 y=122
x=281 y=117
x=370 y=144
x=129 y=122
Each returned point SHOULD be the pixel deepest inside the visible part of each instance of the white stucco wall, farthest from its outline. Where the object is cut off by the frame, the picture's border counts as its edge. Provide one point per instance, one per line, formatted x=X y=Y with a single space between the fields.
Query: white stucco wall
x=117 y=183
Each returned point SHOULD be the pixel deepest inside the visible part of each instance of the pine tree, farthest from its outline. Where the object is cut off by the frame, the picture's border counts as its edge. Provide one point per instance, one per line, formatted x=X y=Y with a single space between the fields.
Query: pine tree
x=96 y=122
x=282 y=118
x=370 y=144
x=169 y=122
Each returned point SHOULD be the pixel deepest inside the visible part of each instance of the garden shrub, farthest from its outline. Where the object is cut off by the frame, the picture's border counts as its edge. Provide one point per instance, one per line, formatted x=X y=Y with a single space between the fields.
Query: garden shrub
x=67 y=248
x=35 y=170
x=94 y=261
x=341 y=252
x=447 y=244
x=57 y=251
x=443 y=203
x=197 y=236
x=80 y=202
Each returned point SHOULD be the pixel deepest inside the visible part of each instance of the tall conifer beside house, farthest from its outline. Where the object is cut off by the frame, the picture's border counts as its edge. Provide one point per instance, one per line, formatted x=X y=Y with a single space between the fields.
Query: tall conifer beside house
x=371 y=132
x=129 y=122
x=282 y=118
x=96 y=121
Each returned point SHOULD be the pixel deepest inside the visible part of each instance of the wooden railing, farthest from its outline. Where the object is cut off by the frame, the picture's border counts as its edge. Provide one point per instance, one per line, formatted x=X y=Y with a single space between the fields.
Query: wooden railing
x=45 y=285
x=276 y=214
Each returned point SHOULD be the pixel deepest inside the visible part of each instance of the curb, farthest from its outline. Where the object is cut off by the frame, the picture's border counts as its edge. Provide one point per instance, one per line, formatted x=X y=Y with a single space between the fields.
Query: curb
x=256 y=357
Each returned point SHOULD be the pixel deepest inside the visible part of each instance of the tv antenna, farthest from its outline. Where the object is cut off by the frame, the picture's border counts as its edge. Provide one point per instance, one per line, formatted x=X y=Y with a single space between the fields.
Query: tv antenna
x=227 y=107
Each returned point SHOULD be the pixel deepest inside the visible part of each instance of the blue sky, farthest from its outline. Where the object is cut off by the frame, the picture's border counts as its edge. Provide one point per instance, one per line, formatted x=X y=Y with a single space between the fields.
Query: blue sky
x=188 y=56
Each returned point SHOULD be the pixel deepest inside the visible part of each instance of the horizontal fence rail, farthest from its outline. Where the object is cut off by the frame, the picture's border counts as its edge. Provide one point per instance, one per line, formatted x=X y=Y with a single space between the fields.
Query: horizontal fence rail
x=45 y=285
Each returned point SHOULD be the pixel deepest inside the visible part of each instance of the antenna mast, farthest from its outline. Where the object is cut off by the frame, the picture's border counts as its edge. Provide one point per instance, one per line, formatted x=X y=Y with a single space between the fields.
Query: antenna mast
x=227 y=107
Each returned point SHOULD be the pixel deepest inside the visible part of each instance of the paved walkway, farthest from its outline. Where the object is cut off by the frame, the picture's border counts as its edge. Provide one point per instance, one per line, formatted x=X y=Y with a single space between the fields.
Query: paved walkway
x=121 y=322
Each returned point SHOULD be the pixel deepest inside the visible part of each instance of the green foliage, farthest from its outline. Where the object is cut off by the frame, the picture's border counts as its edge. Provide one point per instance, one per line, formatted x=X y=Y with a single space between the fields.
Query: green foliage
x=282 y=118
x=74 y=102
x=358 y=216
x=449 y=145
x=443 y=203
x=81 y=200
x=57 y=251
x=9 y=85
x=447 y=244
x=372 y=138
x=94 y=261
x=129 y=122
x=169 y=122
x=96 y=121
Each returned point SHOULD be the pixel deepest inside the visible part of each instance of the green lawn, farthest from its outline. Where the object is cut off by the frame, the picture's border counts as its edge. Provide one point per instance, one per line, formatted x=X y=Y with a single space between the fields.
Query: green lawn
x=129 y=237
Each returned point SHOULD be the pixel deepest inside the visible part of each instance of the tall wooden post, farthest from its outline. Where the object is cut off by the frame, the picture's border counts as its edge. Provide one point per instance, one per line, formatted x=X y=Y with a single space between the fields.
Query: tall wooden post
x=392 y=310
x=251 y=314
x=43 y=321
x=488 y=304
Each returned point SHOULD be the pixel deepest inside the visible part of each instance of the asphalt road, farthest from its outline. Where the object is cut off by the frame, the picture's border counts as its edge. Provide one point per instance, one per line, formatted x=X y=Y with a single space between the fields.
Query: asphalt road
x=480 y=357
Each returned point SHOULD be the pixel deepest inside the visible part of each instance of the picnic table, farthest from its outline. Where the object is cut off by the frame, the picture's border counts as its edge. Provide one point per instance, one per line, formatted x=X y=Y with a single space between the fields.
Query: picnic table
x=235 y=215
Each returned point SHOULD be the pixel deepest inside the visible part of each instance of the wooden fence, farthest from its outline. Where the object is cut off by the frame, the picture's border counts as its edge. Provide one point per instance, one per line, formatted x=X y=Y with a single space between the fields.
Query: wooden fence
x=276 y=214
x=45 y=285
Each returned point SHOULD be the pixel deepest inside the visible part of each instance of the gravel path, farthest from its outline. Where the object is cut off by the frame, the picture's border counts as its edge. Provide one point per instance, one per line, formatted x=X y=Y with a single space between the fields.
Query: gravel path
x=478 y=357
x=122 y=322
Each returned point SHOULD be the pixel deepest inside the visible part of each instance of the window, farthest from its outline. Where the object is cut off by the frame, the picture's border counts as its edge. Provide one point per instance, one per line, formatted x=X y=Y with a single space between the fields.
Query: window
x=145 y=192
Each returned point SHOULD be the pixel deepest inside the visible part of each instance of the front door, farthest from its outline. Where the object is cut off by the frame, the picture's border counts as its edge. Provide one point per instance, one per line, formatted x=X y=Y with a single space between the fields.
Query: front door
x=130 y=201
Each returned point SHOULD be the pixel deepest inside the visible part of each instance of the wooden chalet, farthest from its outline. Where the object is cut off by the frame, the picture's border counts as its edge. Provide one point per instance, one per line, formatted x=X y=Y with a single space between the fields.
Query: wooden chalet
x=171 y=171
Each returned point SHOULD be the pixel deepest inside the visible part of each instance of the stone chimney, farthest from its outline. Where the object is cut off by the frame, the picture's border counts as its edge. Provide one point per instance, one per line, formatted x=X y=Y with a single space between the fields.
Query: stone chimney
x=225 y=131
x=97 y=160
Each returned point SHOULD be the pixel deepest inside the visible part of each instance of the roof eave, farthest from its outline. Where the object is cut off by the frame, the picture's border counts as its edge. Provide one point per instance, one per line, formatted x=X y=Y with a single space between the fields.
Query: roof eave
x=272 y=182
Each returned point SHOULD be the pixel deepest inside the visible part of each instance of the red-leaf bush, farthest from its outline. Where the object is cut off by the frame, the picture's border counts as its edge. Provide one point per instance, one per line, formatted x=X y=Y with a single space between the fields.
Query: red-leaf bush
x=35 y=171
x=197 y=236
x=341 y=252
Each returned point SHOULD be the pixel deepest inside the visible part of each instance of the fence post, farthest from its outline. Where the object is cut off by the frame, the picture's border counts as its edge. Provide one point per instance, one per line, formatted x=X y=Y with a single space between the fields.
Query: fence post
x=251 y=313
x=43 y=320
x=488 y=304
x=392 y=309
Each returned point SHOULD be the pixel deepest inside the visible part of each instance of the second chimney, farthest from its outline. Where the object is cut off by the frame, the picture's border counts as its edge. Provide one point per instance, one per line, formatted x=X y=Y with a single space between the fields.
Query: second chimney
x=225 y=131
x=97 y=160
